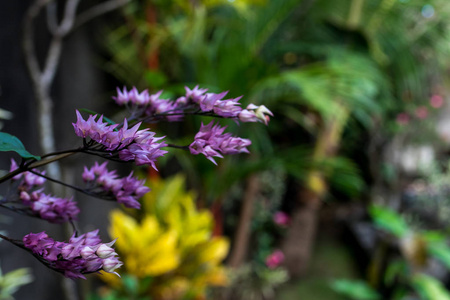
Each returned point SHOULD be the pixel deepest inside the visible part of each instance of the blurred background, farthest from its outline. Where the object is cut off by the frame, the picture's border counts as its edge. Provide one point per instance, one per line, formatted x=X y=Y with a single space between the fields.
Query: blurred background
x=345 y=194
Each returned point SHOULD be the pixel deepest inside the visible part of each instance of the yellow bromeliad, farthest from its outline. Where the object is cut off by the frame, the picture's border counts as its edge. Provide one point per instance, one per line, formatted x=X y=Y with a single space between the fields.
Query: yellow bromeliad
x=172 y=244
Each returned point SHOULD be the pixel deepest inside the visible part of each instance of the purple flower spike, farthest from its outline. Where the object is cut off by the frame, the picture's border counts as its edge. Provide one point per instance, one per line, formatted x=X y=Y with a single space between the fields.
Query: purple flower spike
x=126 y=190
x=52 y=209
x=131 y=144
x=212 y=142
x=81 y=255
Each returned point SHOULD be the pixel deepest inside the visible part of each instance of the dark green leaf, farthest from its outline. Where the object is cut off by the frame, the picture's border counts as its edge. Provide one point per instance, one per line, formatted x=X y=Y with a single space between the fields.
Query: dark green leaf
x=11 y=143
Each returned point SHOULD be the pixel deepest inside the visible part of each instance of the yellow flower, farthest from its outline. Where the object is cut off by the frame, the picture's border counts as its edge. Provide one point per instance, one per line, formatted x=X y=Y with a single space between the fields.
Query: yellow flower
x=173 y=244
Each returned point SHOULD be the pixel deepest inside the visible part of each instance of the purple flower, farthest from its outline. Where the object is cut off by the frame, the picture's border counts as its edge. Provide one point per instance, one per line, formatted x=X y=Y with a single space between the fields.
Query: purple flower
x=134 y=97
x=228 y=108
x=209 y=100
x=96 y=130
x=212 y=142
x=122 y=96
x=165 y=107
x=145 y=150
x=137 y=98
x=14 y=167
x=126 y=190
x=52 y=209
x=81 y=255
x=148 y=105
x=195 y=94
x=30 y=180
x=38 y=242
x=131 y=144
x=88 y=174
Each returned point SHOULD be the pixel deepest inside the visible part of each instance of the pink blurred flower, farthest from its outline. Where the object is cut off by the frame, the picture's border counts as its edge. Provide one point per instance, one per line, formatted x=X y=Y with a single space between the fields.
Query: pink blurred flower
x=421 y=112
x=436 y=101
x=281 y=218
x=402 y=119
x=275 y=259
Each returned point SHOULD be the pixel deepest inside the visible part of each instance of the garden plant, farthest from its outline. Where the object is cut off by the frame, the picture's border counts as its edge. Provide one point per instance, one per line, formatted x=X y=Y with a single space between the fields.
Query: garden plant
x=125 y=141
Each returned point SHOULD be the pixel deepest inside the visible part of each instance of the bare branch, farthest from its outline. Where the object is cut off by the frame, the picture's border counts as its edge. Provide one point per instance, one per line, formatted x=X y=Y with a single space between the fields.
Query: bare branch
x=52 y=20
x=69 y=17
x=55 y=48
x=98 y=10
x=28 y=39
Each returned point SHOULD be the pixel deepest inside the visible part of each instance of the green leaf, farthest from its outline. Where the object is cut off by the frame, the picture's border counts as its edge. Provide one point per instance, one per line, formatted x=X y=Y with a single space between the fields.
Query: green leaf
x=430 y=288
x=12 y=281
x=355 y=289
x=440 y=251
x=131 y=284
x=11 y=143
x=394 y=269
x=155 y=78
x=389 y=220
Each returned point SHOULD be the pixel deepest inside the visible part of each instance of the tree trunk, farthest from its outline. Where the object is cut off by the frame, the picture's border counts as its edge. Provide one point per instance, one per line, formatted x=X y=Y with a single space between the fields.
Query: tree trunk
x=298 y=244
x=243 y=231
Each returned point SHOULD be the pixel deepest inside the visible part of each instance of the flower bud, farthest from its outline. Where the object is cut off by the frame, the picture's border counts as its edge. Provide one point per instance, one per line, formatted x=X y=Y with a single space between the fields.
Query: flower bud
x=93 y=265
x=262 y=113
x=87 y=252
x=247 y=116
x=111 y=263
x=105 y=251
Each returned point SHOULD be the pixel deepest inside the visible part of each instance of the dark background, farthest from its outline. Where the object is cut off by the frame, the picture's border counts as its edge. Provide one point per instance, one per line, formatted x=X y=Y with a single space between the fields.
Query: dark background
x=79 y=83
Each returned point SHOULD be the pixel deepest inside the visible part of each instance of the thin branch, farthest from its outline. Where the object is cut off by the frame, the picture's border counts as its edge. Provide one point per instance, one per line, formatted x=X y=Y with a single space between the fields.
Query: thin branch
x=178 y=147
x=69 y=17
x=18 y=243
x=98 y=10
x=76 y=188
x=21 y=245
x=55 y=48
x=49 y=160
x=28 y=39
x=60 y=182
x=52 y=20
x=52 y=61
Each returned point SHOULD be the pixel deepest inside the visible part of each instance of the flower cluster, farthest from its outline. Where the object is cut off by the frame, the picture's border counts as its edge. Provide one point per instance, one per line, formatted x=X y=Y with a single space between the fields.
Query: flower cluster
x=131 y=144
x=212 y=142
x=30 y=180
x=126 y=190
x=81 y=255
x=145 y=104
x=151 y=105
x=52 y=209
x=125 y=142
